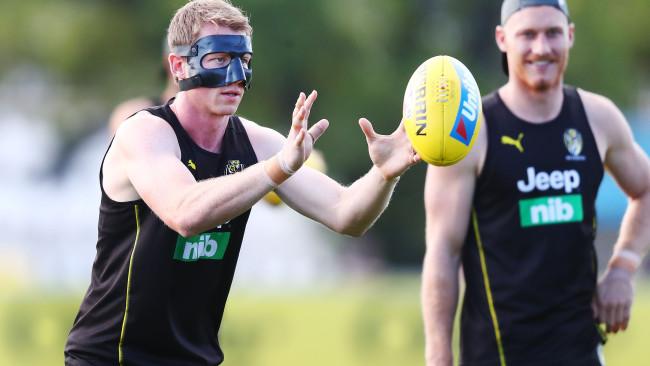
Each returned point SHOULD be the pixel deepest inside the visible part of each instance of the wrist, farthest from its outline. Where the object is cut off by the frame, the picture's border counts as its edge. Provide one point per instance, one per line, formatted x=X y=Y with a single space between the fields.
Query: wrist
x=385 y=178
x=625 y=259
x=275 y=170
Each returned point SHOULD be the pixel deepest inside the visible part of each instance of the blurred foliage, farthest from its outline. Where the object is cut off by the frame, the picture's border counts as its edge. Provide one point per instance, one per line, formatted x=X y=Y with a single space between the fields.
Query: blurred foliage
x=358 y=54
x=359 y=323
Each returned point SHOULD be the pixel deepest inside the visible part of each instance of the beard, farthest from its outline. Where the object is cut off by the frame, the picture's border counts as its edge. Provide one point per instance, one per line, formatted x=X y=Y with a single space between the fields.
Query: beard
x=543 y=85
x=550 y=79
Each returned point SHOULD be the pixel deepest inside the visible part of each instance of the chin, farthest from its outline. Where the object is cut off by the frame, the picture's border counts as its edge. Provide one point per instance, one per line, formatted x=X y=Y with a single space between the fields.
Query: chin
x=223 y=109
x=220 y=111
x=543 y=84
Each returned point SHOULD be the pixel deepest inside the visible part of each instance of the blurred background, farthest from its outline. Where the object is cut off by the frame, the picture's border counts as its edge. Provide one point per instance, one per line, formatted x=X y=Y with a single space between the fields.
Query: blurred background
x=301 y=294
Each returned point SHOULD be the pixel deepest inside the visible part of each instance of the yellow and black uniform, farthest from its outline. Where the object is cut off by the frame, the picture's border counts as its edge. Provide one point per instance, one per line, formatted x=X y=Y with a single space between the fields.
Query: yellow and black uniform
x=155 y=297
x=528 y=258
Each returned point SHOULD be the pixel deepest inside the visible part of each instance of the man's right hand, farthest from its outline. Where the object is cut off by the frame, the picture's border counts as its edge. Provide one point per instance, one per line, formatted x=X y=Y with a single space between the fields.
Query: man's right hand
x=300 y=141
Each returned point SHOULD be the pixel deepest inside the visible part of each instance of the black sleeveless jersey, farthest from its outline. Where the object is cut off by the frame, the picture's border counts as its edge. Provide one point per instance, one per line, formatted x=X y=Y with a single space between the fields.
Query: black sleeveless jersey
x=157 y=298
x=528 y=258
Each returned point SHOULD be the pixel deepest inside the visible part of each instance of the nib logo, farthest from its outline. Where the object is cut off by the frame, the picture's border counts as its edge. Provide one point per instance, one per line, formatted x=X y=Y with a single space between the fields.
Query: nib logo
x=550 y=210
x=203 y=246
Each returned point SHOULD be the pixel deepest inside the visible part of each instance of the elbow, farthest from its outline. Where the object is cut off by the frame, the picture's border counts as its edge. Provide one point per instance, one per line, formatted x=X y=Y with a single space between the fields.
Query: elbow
x=185 y=225
x=353 y=230
x=354 y=233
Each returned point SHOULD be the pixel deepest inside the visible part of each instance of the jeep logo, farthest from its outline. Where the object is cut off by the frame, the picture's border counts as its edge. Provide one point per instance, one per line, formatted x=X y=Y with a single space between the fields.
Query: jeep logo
x=542 y=181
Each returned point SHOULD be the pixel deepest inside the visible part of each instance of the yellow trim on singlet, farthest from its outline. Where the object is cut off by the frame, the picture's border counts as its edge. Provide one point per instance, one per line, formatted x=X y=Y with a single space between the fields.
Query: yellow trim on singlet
x=128 y=284
x=488 y=291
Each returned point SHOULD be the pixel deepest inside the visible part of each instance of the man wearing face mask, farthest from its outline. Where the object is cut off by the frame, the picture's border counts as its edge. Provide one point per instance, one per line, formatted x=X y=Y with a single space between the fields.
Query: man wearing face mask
x=519 y=212
x=178 y=182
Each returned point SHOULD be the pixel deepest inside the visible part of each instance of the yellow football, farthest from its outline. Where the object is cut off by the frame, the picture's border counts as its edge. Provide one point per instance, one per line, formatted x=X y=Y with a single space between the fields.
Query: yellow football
x=442 y=110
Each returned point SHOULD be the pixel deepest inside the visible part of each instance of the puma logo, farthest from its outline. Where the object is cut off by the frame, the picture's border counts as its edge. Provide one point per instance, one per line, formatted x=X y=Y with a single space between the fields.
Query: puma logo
x=507 y=140
x=191 y=164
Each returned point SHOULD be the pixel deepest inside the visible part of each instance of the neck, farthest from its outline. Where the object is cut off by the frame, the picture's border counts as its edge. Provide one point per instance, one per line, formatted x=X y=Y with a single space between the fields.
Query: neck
x=206 y=129
x=532 y=105
x=170 y=91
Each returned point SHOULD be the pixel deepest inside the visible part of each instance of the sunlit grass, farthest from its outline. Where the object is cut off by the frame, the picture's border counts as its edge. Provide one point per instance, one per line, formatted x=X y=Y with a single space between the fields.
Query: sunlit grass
x=375 y=322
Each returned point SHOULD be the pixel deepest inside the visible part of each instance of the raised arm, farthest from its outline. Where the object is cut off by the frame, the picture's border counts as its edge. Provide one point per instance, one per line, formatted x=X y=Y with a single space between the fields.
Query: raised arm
x=348 y=210
x=448 y=202
x=629 y=166
x=144 y=162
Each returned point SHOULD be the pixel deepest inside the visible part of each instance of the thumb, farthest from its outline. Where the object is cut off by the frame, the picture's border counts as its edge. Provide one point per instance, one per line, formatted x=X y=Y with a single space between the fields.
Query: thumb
x=366 y=128
x=318 y=129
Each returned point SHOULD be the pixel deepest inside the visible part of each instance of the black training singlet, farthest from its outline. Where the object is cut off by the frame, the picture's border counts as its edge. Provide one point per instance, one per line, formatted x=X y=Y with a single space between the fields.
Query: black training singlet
x=528 y=258
x=155 y=297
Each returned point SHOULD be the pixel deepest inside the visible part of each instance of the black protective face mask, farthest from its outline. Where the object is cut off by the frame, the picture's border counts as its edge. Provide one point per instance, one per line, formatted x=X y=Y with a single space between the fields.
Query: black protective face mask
x=235 y=46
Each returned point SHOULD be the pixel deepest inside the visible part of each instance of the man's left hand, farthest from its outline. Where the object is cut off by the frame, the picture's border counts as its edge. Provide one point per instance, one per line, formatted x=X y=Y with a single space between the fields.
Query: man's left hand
x=392 y=154
x=613 y=300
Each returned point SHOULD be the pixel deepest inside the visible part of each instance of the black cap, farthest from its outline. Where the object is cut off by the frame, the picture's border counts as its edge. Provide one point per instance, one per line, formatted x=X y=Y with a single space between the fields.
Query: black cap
x=509 y=7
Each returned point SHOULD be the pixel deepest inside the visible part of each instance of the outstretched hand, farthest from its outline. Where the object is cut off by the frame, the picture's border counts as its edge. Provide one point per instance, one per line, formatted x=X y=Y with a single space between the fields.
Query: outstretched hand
x=392 y=154
x=300 y=141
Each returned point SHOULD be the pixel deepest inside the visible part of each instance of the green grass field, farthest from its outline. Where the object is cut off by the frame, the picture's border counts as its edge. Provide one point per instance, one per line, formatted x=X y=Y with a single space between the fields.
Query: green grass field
x=361 y=323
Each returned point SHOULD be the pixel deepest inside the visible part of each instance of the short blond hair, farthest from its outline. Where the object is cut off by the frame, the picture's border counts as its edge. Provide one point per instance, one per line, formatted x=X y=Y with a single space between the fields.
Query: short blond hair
x=186 y=24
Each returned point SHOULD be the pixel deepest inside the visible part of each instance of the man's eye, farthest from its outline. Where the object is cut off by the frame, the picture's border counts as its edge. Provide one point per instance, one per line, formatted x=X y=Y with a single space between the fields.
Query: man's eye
x=553 y=33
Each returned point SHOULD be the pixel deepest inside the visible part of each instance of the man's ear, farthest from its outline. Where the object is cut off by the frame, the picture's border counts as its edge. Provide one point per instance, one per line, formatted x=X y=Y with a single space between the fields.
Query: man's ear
x=176 y=66
x=500 y=37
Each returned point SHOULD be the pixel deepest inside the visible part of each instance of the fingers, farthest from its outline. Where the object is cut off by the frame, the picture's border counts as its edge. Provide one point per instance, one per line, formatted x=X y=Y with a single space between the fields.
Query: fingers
x=619 y=316
x=594 y=307
x=299 y=104
x=311 y=99
x=317 y=130
x=366 y=128
x=610 y=316
x=616 y=317
x=303 y=107
x=622 y=317
x=300 y=137
x=299 y=113
x=626 y=318
x=416 y=158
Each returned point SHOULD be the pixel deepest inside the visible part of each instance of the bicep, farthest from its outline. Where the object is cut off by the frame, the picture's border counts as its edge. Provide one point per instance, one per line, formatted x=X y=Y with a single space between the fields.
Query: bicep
x=448 y=201
x=623 y=158
x=265 y=141
x=448 y=196
x=151 y=156
x=628 y=164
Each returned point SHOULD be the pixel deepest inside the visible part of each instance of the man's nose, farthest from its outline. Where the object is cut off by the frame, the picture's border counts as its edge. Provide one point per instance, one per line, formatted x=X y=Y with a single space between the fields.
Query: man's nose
x=235 y=71
x=541 y=45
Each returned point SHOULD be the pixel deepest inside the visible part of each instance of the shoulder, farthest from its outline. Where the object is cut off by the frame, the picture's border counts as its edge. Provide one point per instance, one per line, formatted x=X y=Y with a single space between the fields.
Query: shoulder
x=606 y=120
x=471 y=165
x=490 y=100
x=125 y=109
x=598 y=107
x=265 y=141
x=144 y=131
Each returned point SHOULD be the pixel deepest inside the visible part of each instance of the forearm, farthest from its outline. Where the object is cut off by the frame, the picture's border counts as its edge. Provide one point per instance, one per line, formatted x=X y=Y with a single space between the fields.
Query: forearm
x=439 y=296
x=362 y=203
x=634 y=237
x=215 y=201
